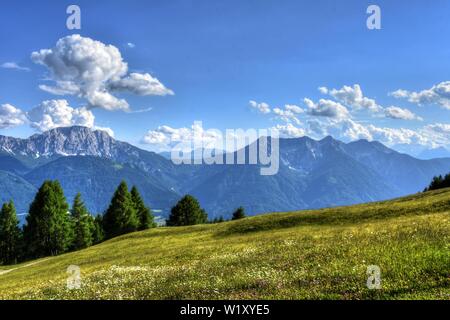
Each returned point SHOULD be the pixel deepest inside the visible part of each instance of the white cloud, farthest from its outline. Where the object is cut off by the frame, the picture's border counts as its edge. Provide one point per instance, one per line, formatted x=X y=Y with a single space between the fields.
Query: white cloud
x=11 y=116
x=438 y=94
x=429 y=136
x=165 y=137
x=289 y=131
x=354 y=130
x=288 y=114
x=49 y=114
x=52 y=114
x=92 y=70
x=438 y=134
x=131 y=45
x=294 y=108
x=261 y=107
x=14 y=66
x=109 y=131
x=393 y=136
x=323 y=90
x=400 y=113
x=327 y=108
x=352 y=97
x=141 y=84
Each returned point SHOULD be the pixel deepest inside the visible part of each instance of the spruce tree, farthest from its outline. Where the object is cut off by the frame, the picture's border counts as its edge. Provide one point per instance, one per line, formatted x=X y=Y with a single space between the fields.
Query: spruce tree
x=48 y=230
x=97 y=229
x=187 y=212
x=10 y=234
x=238 y=214
x=82 y=224
x=439 y=182
x=145 y=216
x=120 y=217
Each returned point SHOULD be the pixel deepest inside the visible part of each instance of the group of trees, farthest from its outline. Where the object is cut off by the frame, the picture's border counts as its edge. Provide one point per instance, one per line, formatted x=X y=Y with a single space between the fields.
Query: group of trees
x=126 y=213
x=439 y=182
x=188 y=212
x=51 y=228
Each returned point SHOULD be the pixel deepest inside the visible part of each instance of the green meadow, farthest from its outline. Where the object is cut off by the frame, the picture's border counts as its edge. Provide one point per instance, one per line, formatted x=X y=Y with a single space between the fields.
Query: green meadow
x=316 y=254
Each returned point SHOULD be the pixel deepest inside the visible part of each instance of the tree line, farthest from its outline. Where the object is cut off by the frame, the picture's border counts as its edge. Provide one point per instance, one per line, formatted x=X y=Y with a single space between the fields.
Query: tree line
x=52 y=228
x=439 y=182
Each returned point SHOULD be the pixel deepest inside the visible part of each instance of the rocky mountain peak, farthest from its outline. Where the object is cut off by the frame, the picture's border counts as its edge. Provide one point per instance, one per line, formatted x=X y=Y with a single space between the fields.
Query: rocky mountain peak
x=65 y=141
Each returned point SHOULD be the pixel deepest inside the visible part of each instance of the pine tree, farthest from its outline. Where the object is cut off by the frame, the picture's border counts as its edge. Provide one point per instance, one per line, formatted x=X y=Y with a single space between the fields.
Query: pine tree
x=145 y=216
x=439 y=182
x=97 y=229
x=187 y=212
x=10 y=234
x=82 y=224
x=238 y=214
x=48 y=230
x=120 y=217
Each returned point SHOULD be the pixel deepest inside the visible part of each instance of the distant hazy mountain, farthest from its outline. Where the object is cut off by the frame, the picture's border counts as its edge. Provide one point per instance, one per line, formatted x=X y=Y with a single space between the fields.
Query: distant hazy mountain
x=97 y=178
x=18 y=189
x=312 y=173
x=434 y=153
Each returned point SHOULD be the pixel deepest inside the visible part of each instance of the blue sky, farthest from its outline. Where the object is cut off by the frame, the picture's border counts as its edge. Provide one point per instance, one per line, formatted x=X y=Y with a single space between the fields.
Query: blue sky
x=217 y=56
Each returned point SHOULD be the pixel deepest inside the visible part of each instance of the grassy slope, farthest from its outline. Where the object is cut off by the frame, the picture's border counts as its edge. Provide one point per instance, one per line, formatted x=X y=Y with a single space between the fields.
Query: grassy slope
x=309 y=254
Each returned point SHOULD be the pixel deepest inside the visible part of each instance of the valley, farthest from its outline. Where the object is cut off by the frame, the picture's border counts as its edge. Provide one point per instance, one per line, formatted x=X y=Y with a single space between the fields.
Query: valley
x=312 y=174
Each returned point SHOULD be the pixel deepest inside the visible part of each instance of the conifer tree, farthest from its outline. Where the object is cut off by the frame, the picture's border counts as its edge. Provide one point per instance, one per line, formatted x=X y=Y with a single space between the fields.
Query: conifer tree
x=82 y=224
x=10 y=234
x=439 y=182
x=238 y=214
x=48 y=230
x=120 y=217
x=187 y=212
x=145 y=216
x=97 y=229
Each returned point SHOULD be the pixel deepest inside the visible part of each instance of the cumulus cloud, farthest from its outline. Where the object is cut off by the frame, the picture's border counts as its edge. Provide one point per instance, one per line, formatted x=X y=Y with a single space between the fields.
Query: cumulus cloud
x=260 y=107
x=438 y=94
x=352 y=97
x=289 y=131
x=429 y=136
x=438 y=134
x=393 y=136
x=11 y=116
x=52 y=114
x=141 y=84
x=109 y=131
x=90 y=69
x=354 y=130
x=14 y=66
x=400 y=113
x=165 y=137
x=294 y=108
x=288 y=114
x=49 y=114
x=327 y=108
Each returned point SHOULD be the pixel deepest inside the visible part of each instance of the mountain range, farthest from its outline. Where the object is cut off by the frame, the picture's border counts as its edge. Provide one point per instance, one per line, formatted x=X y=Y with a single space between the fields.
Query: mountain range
x=312 y=174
